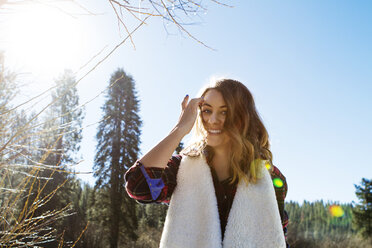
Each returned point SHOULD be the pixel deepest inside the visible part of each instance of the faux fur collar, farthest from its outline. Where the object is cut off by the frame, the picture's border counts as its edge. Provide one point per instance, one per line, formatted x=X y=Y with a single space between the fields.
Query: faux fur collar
x=193 y=221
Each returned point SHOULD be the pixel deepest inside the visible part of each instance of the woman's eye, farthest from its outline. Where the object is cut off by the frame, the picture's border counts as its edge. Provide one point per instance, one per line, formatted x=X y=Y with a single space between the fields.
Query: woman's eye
x=224 y=112
x=206 y=111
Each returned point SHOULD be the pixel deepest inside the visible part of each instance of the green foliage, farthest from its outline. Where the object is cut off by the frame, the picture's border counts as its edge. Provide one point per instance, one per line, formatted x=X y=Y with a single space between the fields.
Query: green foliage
x=98 y=216
x=362 y=212
x=312 y=223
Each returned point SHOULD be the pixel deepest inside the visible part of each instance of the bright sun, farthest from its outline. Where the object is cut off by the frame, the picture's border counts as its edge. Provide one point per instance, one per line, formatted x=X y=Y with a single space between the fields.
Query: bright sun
x=41 y=39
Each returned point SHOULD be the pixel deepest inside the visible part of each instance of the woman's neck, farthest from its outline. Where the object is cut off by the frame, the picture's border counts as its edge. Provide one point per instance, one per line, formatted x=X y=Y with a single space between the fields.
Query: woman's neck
x=221 y=158
x=222 y=153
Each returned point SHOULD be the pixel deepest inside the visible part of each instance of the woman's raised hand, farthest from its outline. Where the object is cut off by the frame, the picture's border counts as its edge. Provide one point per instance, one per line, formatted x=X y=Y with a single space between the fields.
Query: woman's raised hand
x=159 y=155
x=189 y=113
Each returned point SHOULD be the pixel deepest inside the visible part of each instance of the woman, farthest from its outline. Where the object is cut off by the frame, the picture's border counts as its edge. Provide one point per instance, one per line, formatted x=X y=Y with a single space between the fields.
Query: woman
x=220 y=190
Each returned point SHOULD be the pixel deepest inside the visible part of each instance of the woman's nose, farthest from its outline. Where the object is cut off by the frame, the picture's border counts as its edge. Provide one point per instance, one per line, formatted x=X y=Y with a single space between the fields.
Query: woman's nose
x=213 y=118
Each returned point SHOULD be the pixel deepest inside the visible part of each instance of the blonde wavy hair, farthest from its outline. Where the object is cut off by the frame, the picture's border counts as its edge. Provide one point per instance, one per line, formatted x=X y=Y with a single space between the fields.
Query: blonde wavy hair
x=248 y=135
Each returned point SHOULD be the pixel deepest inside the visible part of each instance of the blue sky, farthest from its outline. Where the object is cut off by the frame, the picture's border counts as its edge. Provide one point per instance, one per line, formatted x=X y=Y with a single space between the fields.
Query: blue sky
x=307 y=63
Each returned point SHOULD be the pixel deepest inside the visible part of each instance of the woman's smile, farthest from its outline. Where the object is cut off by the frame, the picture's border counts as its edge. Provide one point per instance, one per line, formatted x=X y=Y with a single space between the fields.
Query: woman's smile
x=214 y=131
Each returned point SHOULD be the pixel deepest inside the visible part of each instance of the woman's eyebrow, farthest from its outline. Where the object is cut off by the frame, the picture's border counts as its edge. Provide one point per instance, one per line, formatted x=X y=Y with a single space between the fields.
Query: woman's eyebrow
x=206 y=104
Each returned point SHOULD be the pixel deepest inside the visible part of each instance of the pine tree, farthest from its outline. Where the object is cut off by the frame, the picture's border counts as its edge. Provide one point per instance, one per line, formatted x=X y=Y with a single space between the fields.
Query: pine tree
x=118 y=139
x=68 y=137
x=362 y=212
x=70 y=117
x=60 y=142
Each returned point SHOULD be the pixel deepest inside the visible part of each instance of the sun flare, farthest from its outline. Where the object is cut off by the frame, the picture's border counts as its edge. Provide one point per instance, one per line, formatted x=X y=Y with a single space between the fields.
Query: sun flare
x=41 y=38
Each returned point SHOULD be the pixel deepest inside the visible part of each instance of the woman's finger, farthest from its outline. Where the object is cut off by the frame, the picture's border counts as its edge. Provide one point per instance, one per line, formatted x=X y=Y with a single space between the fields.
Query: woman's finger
x=201 y=101
x=184 y=102
x=197 y=101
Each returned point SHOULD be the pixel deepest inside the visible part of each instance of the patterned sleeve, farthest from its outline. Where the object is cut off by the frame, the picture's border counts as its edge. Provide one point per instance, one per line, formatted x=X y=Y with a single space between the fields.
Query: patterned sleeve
x=152 y=184
x=281 y=188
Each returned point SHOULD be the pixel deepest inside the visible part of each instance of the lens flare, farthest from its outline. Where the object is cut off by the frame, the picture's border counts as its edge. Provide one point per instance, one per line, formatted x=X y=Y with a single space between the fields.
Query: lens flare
x=278 y=182
x=268 y=166
x=336 y=211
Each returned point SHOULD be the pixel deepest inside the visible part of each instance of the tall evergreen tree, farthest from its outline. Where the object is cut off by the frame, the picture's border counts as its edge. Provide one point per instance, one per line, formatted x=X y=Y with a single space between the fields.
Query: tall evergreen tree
x=118 y=139
x=69 y=118
x=62 y=131
x=362 y=212
x=60 y=142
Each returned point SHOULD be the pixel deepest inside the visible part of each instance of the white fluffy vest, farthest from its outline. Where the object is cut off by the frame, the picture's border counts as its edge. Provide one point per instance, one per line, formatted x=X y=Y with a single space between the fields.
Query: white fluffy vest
x=193 y=221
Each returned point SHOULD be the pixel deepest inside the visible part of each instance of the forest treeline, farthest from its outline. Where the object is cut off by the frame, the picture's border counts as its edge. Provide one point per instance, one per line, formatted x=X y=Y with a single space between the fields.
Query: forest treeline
x=44 y=204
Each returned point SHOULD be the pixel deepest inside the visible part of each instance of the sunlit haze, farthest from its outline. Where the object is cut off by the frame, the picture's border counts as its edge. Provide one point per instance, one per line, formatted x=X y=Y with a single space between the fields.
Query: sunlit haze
x=40 y=39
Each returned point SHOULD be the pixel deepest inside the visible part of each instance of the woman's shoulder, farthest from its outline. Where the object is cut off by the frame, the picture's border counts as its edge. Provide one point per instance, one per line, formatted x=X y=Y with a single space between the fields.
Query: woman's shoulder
x=175 y=159
x=275 y=172
x=279 y=180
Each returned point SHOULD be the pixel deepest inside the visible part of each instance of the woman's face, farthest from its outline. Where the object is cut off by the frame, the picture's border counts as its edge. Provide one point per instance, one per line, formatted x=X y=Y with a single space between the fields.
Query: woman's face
x=213 y=113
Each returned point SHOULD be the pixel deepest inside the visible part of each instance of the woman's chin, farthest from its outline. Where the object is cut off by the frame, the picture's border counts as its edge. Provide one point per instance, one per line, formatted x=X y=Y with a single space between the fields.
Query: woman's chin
x=215 y=141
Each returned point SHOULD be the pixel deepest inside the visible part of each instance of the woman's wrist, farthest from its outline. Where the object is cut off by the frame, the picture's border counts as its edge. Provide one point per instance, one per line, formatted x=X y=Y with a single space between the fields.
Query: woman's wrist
x=179 y=132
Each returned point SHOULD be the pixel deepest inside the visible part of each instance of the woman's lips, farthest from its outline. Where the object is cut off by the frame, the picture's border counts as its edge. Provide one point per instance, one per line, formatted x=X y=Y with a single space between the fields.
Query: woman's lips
x=214 y=131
